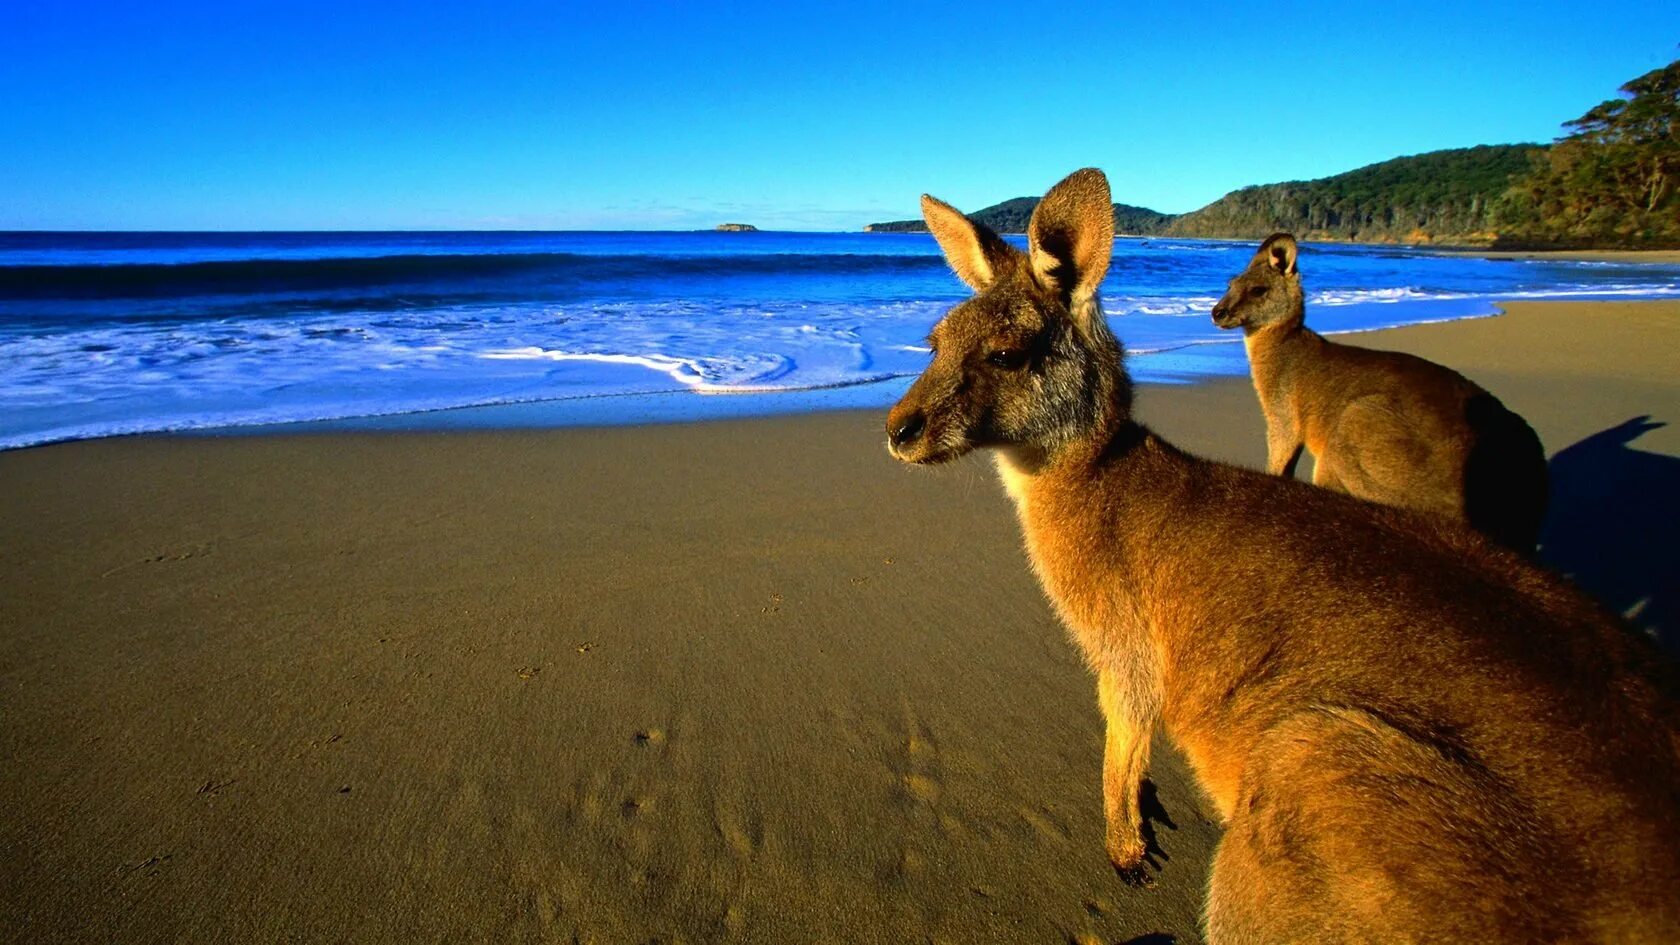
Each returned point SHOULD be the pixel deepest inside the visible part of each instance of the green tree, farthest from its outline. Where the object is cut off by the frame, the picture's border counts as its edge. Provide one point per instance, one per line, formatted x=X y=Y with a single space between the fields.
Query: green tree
x=1613 y=180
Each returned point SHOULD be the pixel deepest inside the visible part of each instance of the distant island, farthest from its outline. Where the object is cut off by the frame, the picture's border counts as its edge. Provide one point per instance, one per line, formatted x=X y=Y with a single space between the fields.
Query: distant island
x=735 y=228
x=1612 y=182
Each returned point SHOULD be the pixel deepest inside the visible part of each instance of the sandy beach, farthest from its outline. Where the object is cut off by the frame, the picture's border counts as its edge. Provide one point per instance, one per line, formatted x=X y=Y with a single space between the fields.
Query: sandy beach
x=734 y=681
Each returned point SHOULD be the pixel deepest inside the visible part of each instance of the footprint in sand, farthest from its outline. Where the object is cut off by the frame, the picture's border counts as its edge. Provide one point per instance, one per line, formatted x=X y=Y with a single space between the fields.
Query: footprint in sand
x=742 y=829
x=198 y=550
x=923 y=787
x=739 y=822
x=589 y=797
x=1046 y=823
x=920 y=766
x=919 y=787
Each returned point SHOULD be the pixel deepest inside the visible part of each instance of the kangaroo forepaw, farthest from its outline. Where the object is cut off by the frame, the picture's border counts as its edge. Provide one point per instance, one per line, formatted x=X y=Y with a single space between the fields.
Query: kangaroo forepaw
x=1137 y=876
x=1131 y=862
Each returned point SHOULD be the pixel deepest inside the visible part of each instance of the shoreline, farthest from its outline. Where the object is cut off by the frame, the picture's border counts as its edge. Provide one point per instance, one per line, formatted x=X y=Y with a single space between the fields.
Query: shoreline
x=747 y=679
x=275 y=330
x=1192 y=360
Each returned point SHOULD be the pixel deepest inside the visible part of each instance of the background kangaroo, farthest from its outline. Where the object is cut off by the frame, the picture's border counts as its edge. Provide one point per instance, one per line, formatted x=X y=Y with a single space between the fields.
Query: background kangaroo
x=1381 y=425
x=1410 y=734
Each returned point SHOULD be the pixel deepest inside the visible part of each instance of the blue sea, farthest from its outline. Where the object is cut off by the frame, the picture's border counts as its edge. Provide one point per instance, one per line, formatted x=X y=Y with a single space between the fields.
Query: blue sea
x=115 y=333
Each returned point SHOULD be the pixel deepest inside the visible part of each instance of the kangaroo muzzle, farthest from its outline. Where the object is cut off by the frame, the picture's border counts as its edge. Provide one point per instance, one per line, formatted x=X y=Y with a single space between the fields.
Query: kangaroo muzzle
x=1222 y=315
x=903 y=431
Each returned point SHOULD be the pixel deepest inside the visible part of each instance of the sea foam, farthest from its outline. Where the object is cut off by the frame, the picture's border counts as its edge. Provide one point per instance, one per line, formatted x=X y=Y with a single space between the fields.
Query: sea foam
x=171 y=332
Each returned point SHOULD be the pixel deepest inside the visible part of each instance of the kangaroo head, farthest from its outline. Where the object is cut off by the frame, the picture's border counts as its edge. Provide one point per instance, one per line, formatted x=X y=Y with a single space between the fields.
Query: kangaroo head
x=1029 y=360
x=1268 y=292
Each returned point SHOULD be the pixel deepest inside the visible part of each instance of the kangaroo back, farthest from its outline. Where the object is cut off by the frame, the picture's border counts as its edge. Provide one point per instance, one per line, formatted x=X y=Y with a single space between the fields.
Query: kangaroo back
x=1506 y=483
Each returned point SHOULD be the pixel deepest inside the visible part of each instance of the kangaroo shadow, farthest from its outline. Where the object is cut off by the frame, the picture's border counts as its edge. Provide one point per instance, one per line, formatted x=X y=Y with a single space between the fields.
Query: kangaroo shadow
x=1154 y=812
x=1614 y=526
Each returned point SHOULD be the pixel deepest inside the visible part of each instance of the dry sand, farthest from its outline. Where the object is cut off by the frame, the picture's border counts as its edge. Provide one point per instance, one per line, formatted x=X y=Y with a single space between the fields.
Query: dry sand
x=735 y=681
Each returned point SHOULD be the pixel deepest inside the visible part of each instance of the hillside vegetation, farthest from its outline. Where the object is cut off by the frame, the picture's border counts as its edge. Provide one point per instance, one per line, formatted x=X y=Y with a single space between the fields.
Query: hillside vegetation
x=1451 y=195
x=1443 y=195
x=1612 y=181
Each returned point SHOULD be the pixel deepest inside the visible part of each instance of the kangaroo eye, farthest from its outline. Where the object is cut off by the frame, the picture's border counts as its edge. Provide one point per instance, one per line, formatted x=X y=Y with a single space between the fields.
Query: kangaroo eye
x=1255 y=292
x=1007 y=358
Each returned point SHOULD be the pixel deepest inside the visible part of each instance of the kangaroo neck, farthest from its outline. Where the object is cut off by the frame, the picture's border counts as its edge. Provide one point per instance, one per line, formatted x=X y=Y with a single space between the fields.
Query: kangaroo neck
x=1276 y=347
x=1021 y=468
x=1093 y=519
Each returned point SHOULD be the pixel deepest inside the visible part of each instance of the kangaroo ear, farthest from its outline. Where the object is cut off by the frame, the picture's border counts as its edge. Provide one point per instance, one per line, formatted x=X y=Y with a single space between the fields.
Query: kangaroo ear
x=978 y=256
x=1279 y=252
x=1071 y=236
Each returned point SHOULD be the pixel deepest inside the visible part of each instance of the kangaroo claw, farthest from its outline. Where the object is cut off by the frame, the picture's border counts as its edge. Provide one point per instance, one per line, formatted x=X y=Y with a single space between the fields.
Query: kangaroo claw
x=1138 y=875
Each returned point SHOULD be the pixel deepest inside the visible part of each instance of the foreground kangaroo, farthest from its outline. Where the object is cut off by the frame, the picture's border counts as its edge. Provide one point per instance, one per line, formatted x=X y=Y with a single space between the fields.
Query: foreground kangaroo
x=1410 y=734
x=1381 y=425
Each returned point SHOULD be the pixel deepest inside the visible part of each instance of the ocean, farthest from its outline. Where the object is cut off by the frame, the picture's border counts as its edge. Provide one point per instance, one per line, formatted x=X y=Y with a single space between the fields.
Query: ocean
x=117 y=333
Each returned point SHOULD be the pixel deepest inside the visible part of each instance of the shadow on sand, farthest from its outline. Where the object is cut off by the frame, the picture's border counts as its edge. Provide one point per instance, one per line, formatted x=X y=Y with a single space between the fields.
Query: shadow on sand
x=1614 y=526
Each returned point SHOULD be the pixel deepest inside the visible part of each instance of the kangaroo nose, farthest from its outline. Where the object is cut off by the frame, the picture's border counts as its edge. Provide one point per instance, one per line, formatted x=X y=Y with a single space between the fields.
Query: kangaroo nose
x=907 y=430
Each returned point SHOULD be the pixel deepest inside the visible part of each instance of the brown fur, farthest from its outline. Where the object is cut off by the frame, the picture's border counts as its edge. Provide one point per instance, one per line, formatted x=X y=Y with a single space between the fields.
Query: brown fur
x=1410 y=735
x=1381 y=425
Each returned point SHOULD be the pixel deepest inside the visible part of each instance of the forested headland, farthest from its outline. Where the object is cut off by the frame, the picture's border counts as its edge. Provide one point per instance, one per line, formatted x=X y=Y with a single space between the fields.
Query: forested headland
x=1613 y=181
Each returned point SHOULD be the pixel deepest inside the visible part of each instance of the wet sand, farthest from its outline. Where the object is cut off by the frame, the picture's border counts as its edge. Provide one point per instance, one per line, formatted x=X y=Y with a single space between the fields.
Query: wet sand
x=735 y=681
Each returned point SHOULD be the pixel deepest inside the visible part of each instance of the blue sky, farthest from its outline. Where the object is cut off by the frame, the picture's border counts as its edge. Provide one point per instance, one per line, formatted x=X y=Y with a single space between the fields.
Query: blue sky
x=652 y=115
